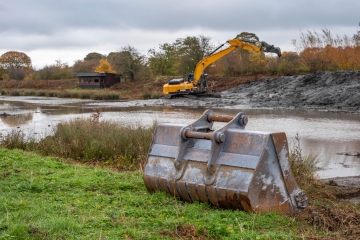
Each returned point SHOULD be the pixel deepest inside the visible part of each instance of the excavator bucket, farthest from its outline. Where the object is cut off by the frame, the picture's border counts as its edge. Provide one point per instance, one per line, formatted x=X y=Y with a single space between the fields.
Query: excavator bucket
x=230 y=167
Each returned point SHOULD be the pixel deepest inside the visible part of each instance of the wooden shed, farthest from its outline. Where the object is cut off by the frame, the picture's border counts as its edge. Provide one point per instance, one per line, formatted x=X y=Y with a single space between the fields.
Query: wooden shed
x=97 y=80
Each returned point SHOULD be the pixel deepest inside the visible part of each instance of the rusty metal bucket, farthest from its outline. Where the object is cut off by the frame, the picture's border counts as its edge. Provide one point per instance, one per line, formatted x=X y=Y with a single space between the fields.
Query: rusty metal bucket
x=229 y=167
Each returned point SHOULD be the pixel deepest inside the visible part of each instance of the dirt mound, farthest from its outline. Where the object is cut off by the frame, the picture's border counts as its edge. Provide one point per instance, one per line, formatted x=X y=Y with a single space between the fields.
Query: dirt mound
x=325 y=90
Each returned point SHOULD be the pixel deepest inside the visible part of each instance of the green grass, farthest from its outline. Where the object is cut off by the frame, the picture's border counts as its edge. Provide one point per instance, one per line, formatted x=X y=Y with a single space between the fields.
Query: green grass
x=43 y=198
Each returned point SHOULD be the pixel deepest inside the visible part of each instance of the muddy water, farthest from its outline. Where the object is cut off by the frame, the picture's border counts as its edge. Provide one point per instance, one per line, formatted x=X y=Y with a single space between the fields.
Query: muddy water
x=322 y=133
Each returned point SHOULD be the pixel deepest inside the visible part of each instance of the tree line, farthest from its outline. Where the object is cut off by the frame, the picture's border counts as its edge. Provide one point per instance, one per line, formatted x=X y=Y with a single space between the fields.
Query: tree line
x=314 y=51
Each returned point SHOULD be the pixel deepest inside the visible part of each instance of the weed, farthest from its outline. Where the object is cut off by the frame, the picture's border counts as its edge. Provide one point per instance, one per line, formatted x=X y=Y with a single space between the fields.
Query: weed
x=304 y=167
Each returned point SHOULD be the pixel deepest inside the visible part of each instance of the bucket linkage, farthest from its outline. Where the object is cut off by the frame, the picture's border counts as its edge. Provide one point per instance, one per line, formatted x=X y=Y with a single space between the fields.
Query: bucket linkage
x=229 y=167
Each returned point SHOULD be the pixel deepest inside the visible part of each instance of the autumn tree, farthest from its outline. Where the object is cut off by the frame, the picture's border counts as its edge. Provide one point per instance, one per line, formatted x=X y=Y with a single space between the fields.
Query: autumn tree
x=104 y=66
x=13 y=59
x=128 y=62
x=16 y=64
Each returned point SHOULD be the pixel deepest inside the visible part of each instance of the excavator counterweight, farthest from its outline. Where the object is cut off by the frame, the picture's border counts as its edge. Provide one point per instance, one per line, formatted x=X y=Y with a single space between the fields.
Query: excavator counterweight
x=229 y=167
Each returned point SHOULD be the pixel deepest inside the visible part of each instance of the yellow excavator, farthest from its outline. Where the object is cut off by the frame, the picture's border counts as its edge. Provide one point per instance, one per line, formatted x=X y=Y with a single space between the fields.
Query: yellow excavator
x=196 y=83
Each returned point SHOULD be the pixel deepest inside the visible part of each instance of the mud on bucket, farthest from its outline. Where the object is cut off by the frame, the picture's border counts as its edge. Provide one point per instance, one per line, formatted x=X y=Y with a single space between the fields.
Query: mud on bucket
x=230 y=167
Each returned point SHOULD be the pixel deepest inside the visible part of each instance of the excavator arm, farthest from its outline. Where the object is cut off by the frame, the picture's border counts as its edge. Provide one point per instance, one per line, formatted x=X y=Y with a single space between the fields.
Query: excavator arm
x=234 y=43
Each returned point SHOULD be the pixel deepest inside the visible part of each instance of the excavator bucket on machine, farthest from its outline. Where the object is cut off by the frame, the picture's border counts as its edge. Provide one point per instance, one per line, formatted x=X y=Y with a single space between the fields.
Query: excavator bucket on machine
x=229 y=167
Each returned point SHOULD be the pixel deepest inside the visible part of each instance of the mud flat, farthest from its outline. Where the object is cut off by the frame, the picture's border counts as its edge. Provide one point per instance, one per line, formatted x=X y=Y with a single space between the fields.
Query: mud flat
x=348 y=187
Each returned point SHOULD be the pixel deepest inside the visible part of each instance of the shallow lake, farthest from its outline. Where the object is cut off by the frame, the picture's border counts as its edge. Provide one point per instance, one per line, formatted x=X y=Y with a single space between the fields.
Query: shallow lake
x=322 y=133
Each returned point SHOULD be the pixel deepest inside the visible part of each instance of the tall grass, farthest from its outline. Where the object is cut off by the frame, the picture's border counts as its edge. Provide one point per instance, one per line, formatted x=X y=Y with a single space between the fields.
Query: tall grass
x=105 y=142
x=304 y=167
x=89 y=140
x=17 y=139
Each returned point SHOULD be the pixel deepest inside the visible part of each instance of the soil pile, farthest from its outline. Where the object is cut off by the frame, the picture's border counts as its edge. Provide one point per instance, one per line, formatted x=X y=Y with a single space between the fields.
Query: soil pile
x=324 y=90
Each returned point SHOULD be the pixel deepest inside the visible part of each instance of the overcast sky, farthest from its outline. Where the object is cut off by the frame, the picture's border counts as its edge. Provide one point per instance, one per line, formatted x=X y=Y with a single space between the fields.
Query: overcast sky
x=67 y=30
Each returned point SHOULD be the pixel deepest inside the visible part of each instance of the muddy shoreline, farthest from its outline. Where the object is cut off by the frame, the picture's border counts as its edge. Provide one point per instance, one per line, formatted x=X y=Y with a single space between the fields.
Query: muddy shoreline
x=321 y=91
x=348 y=188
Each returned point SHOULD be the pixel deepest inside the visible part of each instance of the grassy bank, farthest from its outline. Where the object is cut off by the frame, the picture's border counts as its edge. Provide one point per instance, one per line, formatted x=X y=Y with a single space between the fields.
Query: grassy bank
x=98 y=94
x=43 y=198
x=69 y=89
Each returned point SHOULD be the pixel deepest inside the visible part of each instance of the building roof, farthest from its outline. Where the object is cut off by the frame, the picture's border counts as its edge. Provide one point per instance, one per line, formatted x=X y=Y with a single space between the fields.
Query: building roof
x=93 y=74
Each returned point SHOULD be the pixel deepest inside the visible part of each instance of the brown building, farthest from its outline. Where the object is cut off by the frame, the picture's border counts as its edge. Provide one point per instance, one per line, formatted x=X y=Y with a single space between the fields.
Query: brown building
x=97 y=80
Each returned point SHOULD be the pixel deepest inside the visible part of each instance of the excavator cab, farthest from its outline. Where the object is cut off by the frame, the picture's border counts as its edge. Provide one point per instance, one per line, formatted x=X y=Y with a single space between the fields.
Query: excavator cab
x=229 y=167
x=191 y=77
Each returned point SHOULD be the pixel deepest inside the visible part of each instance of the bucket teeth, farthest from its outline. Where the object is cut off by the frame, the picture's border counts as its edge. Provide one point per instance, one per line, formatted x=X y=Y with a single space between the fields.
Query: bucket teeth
x=229 y=168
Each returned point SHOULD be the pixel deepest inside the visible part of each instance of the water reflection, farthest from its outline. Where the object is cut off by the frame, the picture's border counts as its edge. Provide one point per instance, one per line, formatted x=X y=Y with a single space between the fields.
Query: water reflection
x=17 y=120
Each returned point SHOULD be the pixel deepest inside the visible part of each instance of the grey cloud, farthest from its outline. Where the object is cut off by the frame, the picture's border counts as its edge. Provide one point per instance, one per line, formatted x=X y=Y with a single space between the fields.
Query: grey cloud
x=47 y=17
x=42 y=25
